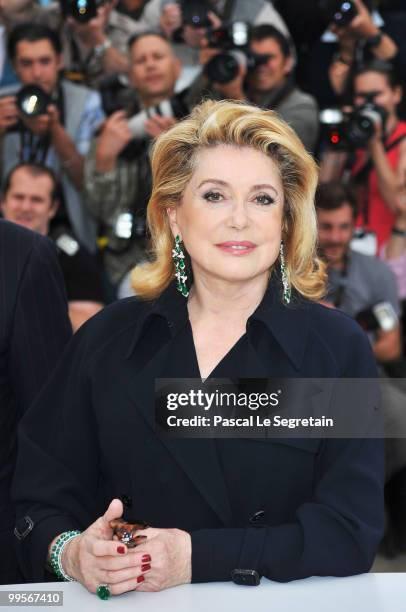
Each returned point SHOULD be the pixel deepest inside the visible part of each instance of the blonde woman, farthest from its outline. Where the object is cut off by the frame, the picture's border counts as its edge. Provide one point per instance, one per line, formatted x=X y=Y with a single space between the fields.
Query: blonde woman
x=233 y=200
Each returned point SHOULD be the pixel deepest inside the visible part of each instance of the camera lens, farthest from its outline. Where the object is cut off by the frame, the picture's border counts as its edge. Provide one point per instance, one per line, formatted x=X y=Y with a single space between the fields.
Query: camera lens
x=222 y=68
x=360 y=129
x=33 y=100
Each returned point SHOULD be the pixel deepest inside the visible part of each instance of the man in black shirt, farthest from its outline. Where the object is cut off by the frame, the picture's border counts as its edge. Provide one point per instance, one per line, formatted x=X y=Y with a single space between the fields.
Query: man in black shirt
x=30 y=199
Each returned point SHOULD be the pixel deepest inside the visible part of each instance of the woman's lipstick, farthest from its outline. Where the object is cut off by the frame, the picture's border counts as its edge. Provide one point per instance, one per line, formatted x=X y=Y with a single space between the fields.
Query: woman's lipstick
x=238 y=248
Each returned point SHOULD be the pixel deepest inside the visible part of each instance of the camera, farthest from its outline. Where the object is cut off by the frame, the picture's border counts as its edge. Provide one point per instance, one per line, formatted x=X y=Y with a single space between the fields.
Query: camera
x=233 y=40
x=363 y=121
x=195 y=13
x=231 y=36
x=82 y=11
x=32 y=100
x=173 y=107
x=117 y=95
x=338 y=12
x=126 y=226
x=344 y=131
x=224 y=67
x=380 y=316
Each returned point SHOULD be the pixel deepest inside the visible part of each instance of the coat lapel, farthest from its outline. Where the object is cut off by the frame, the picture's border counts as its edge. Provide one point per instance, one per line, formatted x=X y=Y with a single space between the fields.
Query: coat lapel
x=197 y=457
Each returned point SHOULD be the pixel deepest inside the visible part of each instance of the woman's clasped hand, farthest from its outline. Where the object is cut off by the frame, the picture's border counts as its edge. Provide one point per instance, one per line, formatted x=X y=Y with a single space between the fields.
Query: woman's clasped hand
x=94 y=558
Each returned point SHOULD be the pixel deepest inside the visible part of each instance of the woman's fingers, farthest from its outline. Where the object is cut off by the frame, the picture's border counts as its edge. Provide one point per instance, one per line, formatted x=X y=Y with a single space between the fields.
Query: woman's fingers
x=121 y=562
x=107 y=548
x=128 y=585
x=101 y=529
x=115 y=577
x=114 y=511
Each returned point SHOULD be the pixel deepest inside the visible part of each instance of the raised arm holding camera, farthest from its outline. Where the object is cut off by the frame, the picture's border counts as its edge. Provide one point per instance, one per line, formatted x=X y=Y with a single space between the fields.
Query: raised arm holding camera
x=366 y=146
x=50 y=120
x=95 y=39
x=256 y=64
x=355 y=27
x=192 y=25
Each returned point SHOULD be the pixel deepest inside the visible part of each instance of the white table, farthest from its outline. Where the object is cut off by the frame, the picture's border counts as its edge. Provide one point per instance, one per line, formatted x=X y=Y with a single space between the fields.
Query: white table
x=364 y=593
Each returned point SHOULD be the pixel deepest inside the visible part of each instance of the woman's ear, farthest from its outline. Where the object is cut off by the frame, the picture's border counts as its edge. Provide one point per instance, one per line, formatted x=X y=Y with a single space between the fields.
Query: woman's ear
x=171 y=212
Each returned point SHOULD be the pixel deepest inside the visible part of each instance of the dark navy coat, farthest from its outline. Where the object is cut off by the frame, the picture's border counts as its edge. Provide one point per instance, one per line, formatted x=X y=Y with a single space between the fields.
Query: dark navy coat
x=90 y=437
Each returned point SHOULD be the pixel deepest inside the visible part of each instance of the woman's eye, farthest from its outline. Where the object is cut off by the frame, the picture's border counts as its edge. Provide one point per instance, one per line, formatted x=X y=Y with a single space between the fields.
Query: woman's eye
x=212 y=196
x=264 y=199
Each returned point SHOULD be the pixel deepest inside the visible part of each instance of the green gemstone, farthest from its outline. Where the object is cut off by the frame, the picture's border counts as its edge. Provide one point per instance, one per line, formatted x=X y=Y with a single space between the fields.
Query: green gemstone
x=103 y=591
x=182 y=264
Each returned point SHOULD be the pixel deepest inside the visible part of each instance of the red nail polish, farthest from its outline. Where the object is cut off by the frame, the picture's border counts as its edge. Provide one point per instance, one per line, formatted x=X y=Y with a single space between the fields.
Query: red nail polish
x=140 y=579
x=146 y=559
x=121 y=550
x=144 y=568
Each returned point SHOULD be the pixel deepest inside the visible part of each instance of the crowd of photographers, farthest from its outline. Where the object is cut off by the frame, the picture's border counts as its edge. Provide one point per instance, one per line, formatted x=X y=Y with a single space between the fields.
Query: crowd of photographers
x=86 y=85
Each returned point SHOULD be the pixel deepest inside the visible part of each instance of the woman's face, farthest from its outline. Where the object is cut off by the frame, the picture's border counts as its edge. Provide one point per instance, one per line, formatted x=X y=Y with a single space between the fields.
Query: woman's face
x=230 y=216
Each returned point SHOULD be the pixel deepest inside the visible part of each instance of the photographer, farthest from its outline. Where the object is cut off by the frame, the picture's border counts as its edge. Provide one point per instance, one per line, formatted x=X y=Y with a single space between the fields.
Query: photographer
x=117 y=185
x=95 y=42
x=13 y=12
x=57 y=131
x=373 y=138
x=360 y=37
x=365 y=288
x=187 y=23
x=356 y=282
x=260 y=72
x=30 y=197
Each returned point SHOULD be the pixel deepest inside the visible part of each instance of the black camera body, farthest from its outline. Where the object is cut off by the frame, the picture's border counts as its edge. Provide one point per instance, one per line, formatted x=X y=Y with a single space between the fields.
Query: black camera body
x=82 y=11
x=117 y=95
x=338 y=12
x=343 y=131
x=224 y=67
x=233 y=40
x=362 y=123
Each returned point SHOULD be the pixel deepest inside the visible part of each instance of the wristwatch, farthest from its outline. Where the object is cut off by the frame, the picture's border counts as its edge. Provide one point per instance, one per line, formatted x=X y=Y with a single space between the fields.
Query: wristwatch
x=375 y=40
x=100 y=50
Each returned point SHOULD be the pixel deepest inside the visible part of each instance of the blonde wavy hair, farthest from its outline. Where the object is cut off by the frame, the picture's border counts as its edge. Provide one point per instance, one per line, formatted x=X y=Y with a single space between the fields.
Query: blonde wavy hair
x=173 y=158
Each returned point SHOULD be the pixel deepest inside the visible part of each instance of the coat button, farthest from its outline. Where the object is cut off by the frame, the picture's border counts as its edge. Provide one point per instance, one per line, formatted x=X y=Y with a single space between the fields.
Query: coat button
x=127 y=500
x=257 y=517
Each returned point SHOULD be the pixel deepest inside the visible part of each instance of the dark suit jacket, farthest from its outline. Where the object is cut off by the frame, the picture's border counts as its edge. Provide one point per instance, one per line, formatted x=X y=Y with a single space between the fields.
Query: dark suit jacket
x=90 y=437
x=34 y=327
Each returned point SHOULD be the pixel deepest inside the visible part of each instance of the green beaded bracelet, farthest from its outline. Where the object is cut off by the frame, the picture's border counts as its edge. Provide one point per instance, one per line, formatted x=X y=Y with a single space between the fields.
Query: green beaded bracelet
x=56 y=553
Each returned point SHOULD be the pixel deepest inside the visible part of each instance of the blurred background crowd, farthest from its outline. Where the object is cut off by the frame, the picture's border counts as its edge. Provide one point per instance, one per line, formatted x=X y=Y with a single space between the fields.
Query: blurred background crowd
x=86 y=86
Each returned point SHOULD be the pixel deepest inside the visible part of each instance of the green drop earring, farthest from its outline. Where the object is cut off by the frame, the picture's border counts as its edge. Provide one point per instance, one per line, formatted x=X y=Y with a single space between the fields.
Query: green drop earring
x=287 y=292
x=178 y=257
